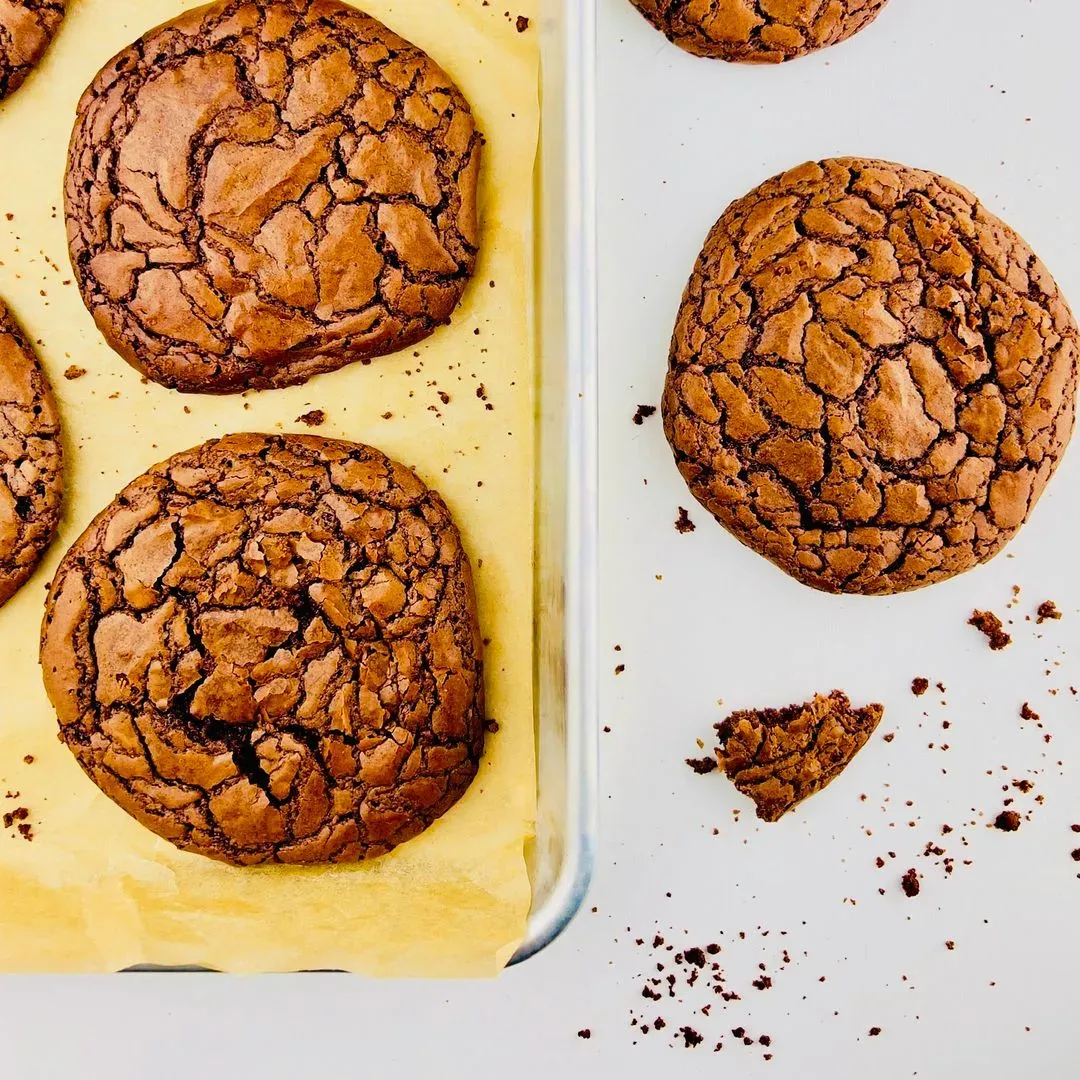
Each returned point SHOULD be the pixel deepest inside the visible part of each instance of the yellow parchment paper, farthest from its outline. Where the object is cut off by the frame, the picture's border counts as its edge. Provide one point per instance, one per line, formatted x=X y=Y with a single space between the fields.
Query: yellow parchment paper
x=94 y=891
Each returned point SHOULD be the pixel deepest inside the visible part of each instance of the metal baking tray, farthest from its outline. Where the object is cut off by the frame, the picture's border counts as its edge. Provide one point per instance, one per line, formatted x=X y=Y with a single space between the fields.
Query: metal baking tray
x=567 y=504
x=566 y=566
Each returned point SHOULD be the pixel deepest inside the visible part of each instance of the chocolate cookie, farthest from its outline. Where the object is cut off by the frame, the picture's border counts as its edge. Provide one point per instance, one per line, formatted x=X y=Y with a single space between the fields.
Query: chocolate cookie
x=758 y=31
x=263 y=190
x=778 y=757
x=266 y=649
x=871 y=379
x=31 y=458
x=26 y=29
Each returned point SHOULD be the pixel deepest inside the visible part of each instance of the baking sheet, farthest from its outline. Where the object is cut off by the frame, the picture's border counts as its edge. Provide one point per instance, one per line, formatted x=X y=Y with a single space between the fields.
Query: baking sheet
x=93 y=890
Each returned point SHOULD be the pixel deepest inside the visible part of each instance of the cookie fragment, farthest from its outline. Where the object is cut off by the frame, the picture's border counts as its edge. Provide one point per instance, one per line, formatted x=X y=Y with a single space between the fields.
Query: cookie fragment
x=758 y=31
x=263 y=190
x=872 y=379
x=266 y=649
x=31 y=459
x=778 y=757
x=986 y=622
x=27 y=27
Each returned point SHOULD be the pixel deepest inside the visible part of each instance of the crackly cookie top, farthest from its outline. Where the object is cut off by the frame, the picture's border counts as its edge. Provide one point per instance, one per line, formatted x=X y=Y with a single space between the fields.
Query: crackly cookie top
x=778 y=757
x=871 y=379
x=266 y=649
x=26 y=29
x=758 y=31
x=262 y=190
x=31 y=474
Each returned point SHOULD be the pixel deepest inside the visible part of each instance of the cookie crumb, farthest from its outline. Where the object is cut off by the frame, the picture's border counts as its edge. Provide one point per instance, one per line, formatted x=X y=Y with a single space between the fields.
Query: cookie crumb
x=1048 y=610
x=643 y=413
x=522 y=24
x=691 y=1037
x=919 y=686
x=584 y=1033
x=910 y=883
x=29 y=759
x=74 y=372
x=875 y=1031
x=1007 y=821
x=1028 y=713
x=950 y=945
x=683 y=523
x=315 y=418
x=990 y=625
x=620 y=668
x=703 y=765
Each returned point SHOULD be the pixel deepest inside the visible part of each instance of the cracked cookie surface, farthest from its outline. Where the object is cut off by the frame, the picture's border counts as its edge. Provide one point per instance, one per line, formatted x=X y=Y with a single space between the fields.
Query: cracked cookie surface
x=258 y=192
x=758 y=31
x=31 y=459
x=872 y=378
x=27 y=27
x=778 y=757
x=266 y=649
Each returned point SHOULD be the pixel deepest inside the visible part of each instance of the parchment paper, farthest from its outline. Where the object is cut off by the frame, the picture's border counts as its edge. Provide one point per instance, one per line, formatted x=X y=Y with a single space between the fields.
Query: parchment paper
x=94 y=891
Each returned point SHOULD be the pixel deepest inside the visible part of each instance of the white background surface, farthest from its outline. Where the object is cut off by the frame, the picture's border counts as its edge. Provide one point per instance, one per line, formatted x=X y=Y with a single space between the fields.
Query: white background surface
x=983 y=90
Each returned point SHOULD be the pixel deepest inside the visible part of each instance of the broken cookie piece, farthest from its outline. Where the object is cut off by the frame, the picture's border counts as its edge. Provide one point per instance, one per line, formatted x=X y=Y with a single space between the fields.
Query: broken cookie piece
x=778 y=757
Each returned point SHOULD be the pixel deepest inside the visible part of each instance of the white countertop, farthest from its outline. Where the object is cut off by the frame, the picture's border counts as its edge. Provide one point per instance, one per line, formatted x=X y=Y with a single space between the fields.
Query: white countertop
x=983 y=90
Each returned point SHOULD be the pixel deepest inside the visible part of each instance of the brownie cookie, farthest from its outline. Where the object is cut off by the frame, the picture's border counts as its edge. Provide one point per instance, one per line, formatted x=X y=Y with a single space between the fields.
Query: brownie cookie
x=26 y=29
x=263 y=190
x=31 y=459
x=758 y=31
x=871 y=379
x=266 y=649
x=778 y=757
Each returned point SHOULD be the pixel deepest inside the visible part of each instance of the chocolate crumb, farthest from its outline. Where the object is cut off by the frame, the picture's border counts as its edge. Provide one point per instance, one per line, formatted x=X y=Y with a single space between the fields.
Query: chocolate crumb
x=29 y=759
x=739 y=1032
x=74 y=372
x=990 y=625
x=584 y=1033
x=620 y=668
x=919 y=686
x=1048 y=610
x=683 y=523
x=691 y=1037
x=315 y=418
x=492 y=727
x=522 y=24
x=1007 y=821
x=875 y=1031
x=703 y=766
x=643 y=413
x=26 y=832
x=695 y=956
x=1028 y=713
x=762 y=983
x=910 y=883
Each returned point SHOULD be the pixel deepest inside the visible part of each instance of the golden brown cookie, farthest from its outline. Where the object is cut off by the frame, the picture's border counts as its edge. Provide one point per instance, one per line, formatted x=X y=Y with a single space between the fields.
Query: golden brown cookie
x=31 y=459
x=258 y=192
x=871 y=379
x=26 y=29
x=266 y=649
x=758 y=31
x=778 y=757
